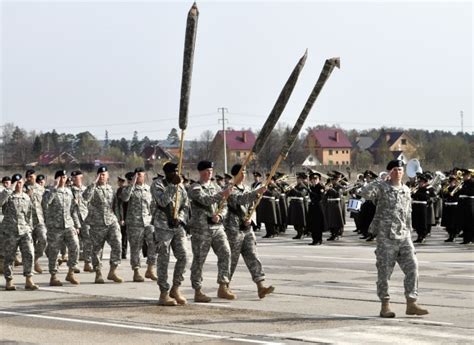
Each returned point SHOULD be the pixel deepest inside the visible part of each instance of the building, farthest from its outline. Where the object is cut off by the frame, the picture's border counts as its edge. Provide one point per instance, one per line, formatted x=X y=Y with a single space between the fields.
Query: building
x=154 y=154
x=394 y=144
x=329 y=146
x=239 y=145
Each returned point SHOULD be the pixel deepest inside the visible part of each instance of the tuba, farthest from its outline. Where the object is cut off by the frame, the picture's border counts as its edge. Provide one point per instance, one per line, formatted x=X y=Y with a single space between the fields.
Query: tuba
x=413 y=167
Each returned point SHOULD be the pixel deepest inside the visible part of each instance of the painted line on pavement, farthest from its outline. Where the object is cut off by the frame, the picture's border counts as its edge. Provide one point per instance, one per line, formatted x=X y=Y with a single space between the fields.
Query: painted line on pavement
x=140 y=328
x=410 y=320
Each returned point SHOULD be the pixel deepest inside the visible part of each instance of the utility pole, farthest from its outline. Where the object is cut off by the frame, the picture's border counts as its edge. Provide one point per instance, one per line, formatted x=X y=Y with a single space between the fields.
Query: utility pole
x=462 y=122
x=224 y=120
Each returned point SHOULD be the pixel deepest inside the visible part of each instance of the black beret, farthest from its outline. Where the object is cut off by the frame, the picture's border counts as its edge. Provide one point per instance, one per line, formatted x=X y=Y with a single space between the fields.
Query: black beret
x=256 y=173
x=139 y=169
x=227 y=176
x=60 y=173
x=29 y=172
x=101 y=169
x=170 y=168
x=40 y=177
x=16 y=177
x=76 y=173
x=203 y=165
x=396 y=163
x=129 y=175
x=235 y=169
x=6 y=178
x=314 y=175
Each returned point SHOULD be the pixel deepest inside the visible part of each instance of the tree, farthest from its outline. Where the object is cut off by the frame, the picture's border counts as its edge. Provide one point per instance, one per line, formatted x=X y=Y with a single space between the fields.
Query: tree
x=87 y=147
x=173 y=136
x=37 y=146
x=135 y=144
x=106 y=141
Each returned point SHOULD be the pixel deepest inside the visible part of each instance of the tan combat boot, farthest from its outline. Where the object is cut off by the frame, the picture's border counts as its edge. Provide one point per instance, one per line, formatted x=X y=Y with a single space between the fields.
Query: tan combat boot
x=385 y=311
x=29 y=285
x=113 y=275
x=54 y=281
x=98 y=277
x=71 y=278
x=9 y=286
x=166 y=300
x=224 y=292
x=200 y=297
x=263 y=291
x=176 y=294
x=37 y=267
x=414 y=309
x=137 y=277
x=150 y=272
x=88 y=267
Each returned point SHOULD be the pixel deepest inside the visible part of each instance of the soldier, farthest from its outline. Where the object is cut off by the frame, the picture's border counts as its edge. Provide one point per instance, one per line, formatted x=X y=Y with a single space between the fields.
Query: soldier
x=207 y=231
x=450 y=203
x=239 y=231
x=58 y=205
x=170 y=233
x=267 y=209
x=316 y=218
x=39 y=228
x=296 y=209
x=220 y=181
x=466 y=206
x=41 y=180
x=6 y=183
x=138 y=222
x=422 y=208
x=80 y=211
x=120 y=209
x=103 y=225
x=367 y=211
x=17 y=229
x=392 y=225
x=333 y=211
x=227 y=179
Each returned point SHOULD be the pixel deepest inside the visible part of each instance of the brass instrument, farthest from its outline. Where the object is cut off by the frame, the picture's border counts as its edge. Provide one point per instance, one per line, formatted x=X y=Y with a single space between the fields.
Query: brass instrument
x=457 y=188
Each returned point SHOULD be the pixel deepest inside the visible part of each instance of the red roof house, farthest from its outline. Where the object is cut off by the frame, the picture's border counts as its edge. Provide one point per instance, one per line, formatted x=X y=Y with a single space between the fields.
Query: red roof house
x=329 y=146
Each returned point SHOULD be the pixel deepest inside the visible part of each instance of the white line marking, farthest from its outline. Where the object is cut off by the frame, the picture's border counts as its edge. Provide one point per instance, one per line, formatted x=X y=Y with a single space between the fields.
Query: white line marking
x=410 y=320
x=140 y=328
x=51 y=289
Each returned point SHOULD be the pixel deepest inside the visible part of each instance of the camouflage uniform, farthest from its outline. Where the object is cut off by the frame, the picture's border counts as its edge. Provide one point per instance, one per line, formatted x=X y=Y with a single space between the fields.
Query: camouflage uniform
x=392 y=226
x=166 y=234
x=205 y=199
x=17 y=228
x=241 y=238
x=39 y=227
x=58 y=206
x=138 y=221
x=103 y=223
x=79 y=215
x=2 y=249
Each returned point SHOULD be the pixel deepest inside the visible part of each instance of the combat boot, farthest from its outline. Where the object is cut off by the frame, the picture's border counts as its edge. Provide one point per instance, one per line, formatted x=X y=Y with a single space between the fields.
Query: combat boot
x=200 y=297
x=88 y=267
x=223 y=292
x=37 y=267
x=113 y=275
x=137 y=277
x=18 y=260
x=54 y=281
x=150 y=272
x=414 y=309
x=98 y=277
x=166 y=300
x=385 y=311
x=176 y=294
x=263 y=291
x=29 y=285
x=9 y=286
x=71 y=278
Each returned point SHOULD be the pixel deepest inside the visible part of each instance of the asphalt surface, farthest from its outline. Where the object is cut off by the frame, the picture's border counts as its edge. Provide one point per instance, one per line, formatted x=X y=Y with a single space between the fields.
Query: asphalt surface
x=323 y=294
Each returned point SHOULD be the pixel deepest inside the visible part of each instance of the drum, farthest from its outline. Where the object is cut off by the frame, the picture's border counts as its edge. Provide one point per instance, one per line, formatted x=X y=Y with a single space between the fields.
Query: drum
x=354 y=205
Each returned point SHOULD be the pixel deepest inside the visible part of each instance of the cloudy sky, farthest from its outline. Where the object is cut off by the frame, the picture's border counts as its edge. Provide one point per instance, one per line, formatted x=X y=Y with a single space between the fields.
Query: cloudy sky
x=116 y=65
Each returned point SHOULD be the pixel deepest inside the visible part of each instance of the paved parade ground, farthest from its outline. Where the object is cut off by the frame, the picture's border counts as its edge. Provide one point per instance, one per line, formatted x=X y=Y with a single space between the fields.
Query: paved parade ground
x=324 y=294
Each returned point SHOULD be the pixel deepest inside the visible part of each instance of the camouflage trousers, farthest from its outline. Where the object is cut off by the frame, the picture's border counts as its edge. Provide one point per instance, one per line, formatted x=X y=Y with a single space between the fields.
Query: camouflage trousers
x=388 y=252
x=11 y=242
x=136 y=235
x=110 y=234
x=39 y=239
x=85 y=242
x=176 y=240
x=245 y=243
x=201 y=243
x=2 y=241
x=57 y=238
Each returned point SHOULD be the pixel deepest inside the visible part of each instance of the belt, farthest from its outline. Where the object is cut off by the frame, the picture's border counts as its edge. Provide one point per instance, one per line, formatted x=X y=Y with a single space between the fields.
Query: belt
x=419 y=202
x=450 y=203
x=268 y=197
x=295 y=198
x=466 y=197
x=334 y=199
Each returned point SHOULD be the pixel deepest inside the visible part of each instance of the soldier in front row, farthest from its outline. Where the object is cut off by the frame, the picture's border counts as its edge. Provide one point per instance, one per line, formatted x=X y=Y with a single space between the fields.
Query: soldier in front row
x=466 y=206
x=316 y=217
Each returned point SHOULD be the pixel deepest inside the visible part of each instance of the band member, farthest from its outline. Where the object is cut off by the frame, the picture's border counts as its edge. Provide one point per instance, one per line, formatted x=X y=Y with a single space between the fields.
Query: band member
x=422 y=204
x=333 y=211
x=466 y=206
x=120 y=210
x=450 y=203
x=296 y=209
x=316 y=217
x=267 y=209
x=392 y=225
x=367 y=210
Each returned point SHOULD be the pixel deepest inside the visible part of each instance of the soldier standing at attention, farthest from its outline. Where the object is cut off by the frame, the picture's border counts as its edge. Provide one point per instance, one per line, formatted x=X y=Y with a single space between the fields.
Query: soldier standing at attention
x=17 y=227
x=241 y=237
x=207 y=231
x=392 y=225
x=103 y=225
x=58 y=205
x=170 y=233
x=138 y=222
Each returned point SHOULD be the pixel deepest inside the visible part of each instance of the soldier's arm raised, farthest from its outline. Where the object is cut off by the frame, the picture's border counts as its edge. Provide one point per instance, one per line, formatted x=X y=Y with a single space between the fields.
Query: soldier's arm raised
x=4 y=194
x=89 y=192
x=371 y=191
x=127 y=193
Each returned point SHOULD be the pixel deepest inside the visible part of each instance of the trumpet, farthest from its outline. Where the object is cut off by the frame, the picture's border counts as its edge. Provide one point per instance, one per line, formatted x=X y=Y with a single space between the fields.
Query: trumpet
x=457 y=188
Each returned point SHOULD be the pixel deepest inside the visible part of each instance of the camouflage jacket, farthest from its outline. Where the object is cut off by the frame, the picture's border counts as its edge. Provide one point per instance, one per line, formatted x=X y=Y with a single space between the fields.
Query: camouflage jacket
x=36 y=195
x=17 y=212
x=238 y=204
x=58 y=206
x=139 y=200
x=164 y=194
x=392 y=218
x=99 y=199
x=80 y=209
x=205 y=199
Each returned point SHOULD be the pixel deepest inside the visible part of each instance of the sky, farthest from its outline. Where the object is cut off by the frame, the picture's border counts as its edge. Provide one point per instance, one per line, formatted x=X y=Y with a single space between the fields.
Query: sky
x=116 y=66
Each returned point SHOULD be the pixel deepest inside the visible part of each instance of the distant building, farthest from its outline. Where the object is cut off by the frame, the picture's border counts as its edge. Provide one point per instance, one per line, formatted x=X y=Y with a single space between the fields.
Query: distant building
x=155 y=154
x=171 y=145
x=329 y=146
x=238 y=143
x=363 y=143
x=55 y=159
x=400 y=145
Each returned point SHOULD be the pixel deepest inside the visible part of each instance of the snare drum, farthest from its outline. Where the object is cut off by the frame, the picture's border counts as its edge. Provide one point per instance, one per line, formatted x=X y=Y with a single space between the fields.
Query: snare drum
x=354 y=205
